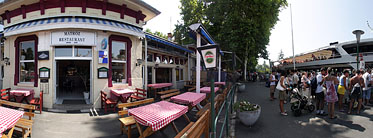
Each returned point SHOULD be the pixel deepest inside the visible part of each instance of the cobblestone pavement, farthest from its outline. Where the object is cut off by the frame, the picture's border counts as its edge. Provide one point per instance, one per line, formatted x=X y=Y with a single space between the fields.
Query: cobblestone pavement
x=272 y=125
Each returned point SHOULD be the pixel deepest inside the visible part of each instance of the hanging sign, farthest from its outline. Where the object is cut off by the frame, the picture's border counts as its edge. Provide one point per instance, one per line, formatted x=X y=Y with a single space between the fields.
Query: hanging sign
x=73 y=38
x=209 y=57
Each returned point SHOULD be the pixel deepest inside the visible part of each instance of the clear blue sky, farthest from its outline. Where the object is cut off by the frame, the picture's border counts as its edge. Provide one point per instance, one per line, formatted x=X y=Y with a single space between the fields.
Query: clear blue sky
x=316 y=23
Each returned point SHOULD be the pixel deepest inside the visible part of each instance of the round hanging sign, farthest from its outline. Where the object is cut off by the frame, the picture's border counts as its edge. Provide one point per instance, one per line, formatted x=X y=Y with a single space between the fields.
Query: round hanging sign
x=104 y=44
x=209 y=56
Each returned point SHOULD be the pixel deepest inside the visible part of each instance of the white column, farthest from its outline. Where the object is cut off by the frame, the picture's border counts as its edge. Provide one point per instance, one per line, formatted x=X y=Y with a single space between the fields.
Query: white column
x=198 y=66
x=219 y=69
x=188 y=69
x=146 y=65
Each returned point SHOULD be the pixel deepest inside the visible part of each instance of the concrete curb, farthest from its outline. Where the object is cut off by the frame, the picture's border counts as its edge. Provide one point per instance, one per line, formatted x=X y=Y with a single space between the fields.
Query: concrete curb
x=69 y=111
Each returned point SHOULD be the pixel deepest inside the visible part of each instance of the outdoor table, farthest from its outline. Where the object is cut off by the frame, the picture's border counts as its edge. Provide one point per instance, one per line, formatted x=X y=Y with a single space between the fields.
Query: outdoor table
x=121 y=94
x=22 y=94
x=208 y=89
x=157 y=115
x=156 y=86
x=8 y=118
x=189 y=98
x=219 y=83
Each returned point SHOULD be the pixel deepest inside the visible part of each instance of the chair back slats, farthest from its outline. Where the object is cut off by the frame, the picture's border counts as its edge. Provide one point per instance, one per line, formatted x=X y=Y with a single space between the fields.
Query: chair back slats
x=124 y=106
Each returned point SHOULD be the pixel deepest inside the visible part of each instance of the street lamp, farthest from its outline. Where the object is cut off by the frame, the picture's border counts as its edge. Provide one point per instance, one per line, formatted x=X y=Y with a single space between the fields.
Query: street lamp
x=358 y=34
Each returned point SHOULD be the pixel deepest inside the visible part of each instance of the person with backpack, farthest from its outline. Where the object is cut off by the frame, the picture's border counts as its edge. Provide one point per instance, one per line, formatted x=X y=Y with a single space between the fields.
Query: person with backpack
x=313 y=84
x=357 y=83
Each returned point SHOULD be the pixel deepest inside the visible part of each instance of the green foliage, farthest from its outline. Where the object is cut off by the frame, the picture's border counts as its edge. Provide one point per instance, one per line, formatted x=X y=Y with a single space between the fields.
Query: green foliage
x=241 y=26
x=245 y=106
x=264 y=68
x=157 y=33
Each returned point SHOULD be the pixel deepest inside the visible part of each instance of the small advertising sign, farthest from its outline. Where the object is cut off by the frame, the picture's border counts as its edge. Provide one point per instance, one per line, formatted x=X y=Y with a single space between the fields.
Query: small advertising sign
x=102 y=56
x=43 y=55
x=209 y=57
x=44 y=73
x=102 y=73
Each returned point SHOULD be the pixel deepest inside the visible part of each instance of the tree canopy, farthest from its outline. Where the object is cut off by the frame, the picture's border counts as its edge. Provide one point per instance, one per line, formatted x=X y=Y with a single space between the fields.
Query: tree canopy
x=156 y=33
x=240 y=26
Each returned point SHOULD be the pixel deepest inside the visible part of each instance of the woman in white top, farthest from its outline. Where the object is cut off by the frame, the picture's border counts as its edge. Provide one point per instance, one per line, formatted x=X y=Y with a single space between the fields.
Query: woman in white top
x=305 y=85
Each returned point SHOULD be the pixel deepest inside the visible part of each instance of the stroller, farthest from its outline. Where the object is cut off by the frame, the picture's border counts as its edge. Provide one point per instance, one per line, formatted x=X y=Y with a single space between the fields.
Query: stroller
x=299 y=102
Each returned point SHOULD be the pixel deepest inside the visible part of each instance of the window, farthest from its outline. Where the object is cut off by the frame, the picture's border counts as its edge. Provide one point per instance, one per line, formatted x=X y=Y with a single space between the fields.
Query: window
x=158 y=59
x=165 y=60
x=73 y=51
x=171 y=60
x=179 y=74
x=150 y=58
x=118 y=65
x=27 y=61
x=83 y=51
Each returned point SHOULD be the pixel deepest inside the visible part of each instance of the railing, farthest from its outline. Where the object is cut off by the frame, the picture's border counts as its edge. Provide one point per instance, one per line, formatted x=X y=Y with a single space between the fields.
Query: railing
x=228 y=106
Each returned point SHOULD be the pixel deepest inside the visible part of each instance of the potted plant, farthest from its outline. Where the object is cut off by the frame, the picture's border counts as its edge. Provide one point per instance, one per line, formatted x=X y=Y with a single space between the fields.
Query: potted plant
x=248 y=113
x=84 y=75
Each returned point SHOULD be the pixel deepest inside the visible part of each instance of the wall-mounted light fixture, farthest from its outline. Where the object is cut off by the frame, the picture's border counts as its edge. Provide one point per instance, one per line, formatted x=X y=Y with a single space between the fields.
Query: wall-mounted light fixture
x=6 y=61
x=139 y=62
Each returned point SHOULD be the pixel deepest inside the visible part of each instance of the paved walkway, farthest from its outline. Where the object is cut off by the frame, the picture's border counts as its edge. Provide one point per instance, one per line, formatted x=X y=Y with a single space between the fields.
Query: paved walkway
x=272 y=125
x=83 y=125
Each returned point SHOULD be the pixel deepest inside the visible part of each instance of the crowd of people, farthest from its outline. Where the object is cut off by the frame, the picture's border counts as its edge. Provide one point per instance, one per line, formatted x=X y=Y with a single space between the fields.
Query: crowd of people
x=325 y=87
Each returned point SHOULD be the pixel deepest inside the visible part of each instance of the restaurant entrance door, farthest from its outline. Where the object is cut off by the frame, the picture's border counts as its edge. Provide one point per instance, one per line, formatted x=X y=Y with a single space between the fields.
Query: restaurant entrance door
x=72 y=80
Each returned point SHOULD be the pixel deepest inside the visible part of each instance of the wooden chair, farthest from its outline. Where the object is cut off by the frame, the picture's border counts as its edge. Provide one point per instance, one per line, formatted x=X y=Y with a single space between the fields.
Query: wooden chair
x=167 y=97
x=196 y=129
x=137 y=94
x=38 y=102
x=24 y=123
x=126 y=123
x=9 y=135
x=5 y=94
x=107 y=103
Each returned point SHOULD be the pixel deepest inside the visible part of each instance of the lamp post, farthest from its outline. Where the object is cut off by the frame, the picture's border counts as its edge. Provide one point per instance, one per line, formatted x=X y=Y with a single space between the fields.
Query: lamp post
x=358 y=34
x=209 y=55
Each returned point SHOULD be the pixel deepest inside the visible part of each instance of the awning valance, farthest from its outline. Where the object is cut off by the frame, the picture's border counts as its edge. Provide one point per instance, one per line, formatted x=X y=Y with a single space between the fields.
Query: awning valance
x=167 y=43
x=73 y=22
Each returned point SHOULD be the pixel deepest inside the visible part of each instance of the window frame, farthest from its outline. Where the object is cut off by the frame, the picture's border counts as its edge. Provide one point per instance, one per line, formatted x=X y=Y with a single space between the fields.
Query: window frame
x=120 y=61
x=128 y=58
x=17 y=55
x=25 y=61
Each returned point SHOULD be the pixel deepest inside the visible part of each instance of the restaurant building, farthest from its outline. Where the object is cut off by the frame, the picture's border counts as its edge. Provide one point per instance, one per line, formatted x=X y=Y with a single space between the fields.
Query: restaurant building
x=65 y=48
x=168 y=62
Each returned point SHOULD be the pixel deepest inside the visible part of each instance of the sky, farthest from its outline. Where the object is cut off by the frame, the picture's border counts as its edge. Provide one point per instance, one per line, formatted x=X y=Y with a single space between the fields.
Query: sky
x=316 y=23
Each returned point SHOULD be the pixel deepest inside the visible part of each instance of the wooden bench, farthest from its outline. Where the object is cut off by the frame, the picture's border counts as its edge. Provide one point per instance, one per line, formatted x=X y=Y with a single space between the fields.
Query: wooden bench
x=5 y=94
x=167 y=97
x=219 y=99
x=38 y=102
x=24 y=123
x=193 y=89
x=107 y=103
x=196 y=129
x=167 y=91
x=137 y=94
x=126 y=123
x=9 y=135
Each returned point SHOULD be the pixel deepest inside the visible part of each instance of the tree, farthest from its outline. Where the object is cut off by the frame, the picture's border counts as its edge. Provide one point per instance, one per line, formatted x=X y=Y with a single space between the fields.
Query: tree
x=281 y=55
x=156 y=33
x=239 y=26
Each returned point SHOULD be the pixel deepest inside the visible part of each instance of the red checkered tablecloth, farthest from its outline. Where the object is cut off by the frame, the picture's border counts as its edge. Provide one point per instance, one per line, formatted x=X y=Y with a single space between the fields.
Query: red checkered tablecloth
x=20 y=92
x=157 y=115
x=219 y=83
x=124 y=93
x=208 y=89
x=160 y=85
x=8 y=118
x=191 y=98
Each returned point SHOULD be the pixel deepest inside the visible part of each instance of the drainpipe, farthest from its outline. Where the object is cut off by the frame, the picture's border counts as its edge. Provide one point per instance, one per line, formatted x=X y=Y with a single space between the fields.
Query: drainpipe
x=146 y=65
